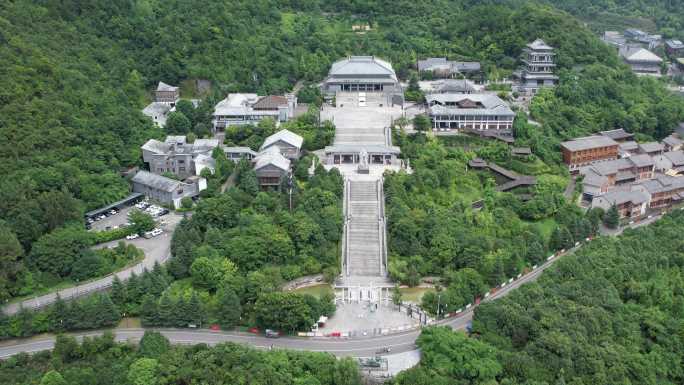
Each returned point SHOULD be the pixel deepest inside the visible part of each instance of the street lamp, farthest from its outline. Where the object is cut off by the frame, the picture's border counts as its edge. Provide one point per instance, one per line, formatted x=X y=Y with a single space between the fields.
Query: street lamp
x=439 y=299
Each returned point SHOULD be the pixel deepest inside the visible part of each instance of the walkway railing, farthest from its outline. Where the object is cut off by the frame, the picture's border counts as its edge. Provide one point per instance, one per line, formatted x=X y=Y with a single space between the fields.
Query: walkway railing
x=382 y=224
x=345 y=228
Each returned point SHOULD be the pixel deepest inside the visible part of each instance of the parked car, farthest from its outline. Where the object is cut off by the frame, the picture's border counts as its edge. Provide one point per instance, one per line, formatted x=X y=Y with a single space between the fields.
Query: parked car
x=156 y=232
x=132 y=236
x=113 y=211
x=271 y=333
x=163 y=212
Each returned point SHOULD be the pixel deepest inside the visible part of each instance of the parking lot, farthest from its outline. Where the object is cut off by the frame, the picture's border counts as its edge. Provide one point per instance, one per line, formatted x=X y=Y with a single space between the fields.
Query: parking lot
x=114 y=221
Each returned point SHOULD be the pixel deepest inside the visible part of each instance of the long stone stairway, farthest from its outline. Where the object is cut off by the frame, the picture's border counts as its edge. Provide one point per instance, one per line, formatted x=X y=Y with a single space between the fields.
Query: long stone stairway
x=364 y=246
x=364 y=242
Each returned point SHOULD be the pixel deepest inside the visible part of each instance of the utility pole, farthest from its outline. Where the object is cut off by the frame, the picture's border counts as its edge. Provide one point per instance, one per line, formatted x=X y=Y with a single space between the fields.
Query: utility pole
x=289 y=188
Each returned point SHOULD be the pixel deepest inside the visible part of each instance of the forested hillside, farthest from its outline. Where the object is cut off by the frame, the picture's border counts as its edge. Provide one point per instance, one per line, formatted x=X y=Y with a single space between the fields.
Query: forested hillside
x=75 y=76
x=609 y=314
x=662 y=16
x=434 y=230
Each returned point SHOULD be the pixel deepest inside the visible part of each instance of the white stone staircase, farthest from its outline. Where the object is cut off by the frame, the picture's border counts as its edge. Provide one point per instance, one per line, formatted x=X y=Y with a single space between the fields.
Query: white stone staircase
x=364 y=253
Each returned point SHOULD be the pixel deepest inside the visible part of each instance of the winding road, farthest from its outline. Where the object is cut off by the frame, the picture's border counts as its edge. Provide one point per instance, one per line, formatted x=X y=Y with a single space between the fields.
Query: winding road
x=355 y=347
x=157 y=249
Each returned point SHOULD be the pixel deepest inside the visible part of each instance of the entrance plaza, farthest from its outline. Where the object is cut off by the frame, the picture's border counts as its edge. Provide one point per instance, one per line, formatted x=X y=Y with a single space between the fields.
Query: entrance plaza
x=364 y=319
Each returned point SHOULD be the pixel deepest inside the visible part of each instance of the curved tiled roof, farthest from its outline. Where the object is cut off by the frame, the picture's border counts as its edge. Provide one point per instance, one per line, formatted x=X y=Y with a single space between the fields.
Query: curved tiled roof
x=539 y=44
x=165 y=87
x=286 y=136
x=362 y=66
x=271 y=156
x=482 y=104
x=155 y=181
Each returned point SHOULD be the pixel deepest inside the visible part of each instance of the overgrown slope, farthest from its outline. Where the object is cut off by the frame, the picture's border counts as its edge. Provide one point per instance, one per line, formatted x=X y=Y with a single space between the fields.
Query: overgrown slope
x=609 y=314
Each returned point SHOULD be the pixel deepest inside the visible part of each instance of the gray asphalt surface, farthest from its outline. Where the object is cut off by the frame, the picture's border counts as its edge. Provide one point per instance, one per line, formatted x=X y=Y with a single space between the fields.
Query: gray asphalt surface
x=156 y=249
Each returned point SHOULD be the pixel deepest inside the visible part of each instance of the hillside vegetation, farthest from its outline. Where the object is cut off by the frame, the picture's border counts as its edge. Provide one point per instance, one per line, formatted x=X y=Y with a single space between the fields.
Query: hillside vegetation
x=75 y=77
x=662 y=16
x=609 y=314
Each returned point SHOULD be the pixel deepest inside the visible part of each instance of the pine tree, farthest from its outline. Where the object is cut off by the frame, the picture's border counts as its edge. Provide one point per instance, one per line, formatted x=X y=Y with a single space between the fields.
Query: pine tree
x=612 y=218
x=149 y=314
x=157 y=269
x=118 y=293
x=107 y=313
x=58 y=314
x=166 y=311
x=229 y=309
x=561 y=238
x=133 y=288
x=567 y=241
x=158 y=284
x=497 y=275
x=145 y=284
x=181 y=316
x=535 y=252
x=196 y=310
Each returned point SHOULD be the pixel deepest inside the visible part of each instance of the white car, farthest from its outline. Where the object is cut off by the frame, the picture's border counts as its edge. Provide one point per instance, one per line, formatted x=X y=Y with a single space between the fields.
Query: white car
x=156 y=232
x=132 y=236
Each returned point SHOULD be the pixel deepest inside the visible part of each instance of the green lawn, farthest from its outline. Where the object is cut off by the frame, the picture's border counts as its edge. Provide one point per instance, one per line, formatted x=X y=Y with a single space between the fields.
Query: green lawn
x=129 y=323
x=315 y=290
x=414 y=294
x=545 y=226
x=531 y=167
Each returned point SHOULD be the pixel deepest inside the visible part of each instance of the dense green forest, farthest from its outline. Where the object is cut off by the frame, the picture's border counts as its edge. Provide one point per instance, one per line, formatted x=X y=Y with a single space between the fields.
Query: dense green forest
x=434 y=230
x=662 y=16
x=609 y=314
x=102 y=361
x=75 y=78
x=229 y=262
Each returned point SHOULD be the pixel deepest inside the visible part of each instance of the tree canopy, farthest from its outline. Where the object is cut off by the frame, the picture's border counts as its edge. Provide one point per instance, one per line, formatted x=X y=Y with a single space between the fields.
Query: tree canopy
x=608 y=314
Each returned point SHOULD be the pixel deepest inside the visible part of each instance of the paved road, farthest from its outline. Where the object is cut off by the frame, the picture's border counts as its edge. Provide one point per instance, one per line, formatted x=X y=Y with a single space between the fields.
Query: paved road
x=644 y=222
x=356 y=347
x=156 y=250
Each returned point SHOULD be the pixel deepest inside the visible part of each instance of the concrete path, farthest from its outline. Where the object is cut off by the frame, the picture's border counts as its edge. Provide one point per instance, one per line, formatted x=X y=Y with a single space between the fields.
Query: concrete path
x=157 y=249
